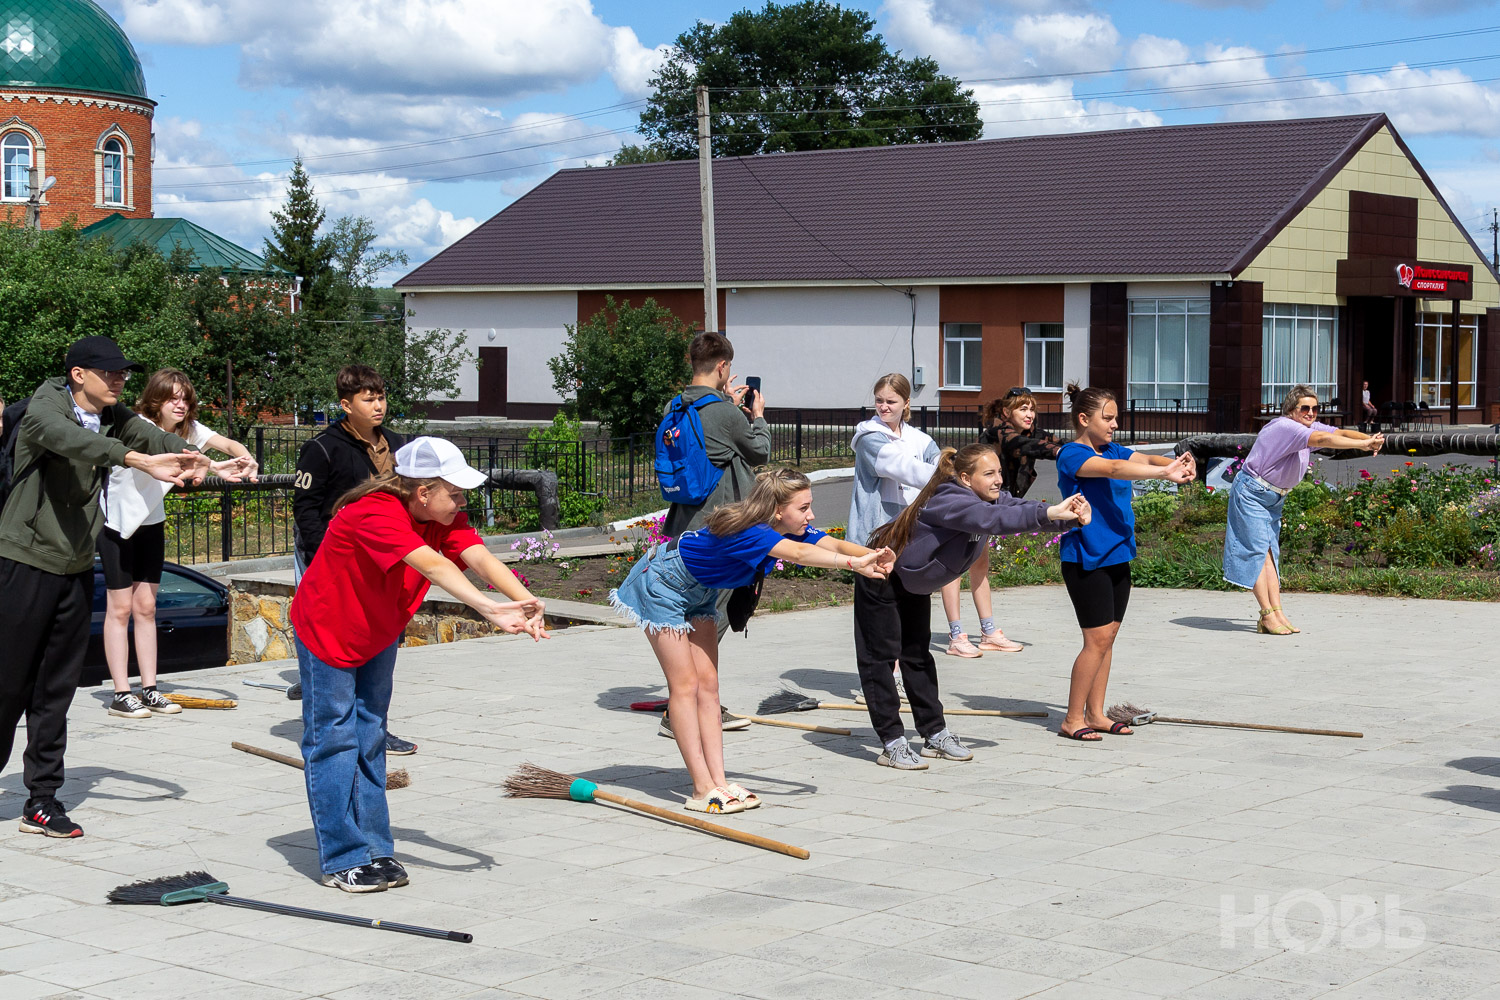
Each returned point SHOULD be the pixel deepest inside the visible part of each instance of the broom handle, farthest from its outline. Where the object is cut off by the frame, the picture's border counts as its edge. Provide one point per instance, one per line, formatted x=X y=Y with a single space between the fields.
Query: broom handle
x=270 y=755
x=701 y=824
x=339 y=918
x=1272 y=729
x=947 y=711
x=831 y=730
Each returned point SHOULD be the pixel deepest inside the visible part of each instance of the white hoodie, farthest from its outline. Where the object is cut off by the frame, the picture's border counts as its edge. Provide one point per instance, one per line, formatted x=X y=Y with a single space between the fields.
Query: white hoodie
x=890 y=469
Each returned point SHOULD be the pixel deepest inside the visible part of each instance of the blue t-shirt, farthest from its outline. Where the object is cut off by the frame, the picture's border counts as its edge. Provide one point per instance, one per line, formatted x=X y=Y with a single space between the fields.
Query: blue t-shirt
x=735 y=560
x=1109 y=537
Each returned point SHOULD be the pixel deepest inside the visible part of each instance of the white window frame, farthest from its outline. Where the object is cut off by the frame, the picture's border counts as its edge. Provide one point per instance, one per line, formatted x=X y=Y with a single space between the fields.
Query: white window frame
x=112 y=172
x=1039 y=337
x=14 y=186
x=1431 y=387
x=1299 y=345
x=966 y=342
x=1195 y=316
x=127 y=169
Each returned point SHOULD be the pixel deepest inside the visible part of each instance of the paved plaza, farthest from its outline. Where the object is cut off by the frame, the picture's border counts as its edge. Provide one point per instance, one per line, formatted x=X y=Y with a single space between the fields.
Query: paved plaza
x=1179 y=862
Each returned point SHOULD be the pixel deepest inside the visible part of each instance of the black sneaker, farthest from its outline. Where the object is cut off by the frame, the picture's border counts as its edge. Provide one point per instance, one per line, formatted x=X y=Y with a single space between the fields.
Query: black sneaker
x=395 y=746
x=391 y=870
x=158 y=703
x=294 y=693
x=665 y=729
x=46 y=816
x=729 y=723
x=125 y=705
x=360 y=878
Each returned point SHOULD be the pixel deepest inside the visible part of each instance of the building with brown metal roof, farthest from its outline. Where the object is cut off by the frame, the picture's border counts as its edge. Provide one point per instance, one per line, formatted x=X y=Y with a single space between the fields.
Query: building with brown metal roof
x=1200 y=266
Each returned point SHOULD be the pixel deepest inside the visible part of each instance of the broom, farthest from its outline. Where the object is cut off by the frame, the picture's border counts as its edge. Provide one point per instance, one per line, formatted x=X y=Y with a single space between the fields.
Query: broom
x=791 y=701
x=393 y=779
x=189 y=701
x=198 y=887
x=1134 y=715
x=532 y=782
x=660 y=705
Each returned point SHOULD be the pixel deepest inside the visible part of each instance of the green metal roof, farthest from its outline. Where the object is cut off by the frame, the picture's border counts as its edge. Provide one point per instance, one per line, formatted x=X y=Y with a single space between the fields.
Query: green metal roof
x=208 y=249
x=66 y=45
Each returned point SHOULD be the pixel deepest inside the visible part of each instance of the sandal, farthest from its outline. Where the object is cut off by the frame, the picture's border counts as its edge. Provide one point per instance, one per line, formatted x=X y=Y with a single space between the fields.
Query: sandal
x=997 y=641
x=743 y=794
x=1265 y=629
x=1082 y=734
x=718 y=800
x=1120 y=729
x=1288 y=624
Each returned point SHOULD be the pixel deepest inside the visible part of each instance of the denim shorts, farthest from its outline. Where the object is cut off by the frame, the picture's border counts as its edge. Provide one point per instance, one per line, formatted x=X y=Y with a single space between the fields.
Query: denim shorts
x=661 y=595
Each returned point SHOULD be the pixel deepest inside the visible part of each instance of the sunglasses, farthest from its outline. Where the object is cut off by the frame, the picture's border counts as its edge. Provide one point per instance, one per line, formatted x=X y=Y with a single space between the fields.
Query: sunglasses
x=1019 y=390
x=1309 y=409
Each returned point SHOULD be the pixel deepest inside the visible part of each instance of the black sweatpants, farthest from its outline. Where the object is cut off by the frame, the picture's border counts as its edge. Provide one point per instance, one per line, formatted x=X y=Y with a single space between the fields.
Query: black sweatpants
x=44 y=635
x=892 y=624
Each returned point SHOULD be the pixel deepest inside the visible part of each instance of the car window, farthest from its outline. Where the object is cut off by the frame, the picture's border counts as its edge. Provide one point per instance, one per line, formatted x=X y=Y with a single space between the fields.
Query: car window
x=180 y=591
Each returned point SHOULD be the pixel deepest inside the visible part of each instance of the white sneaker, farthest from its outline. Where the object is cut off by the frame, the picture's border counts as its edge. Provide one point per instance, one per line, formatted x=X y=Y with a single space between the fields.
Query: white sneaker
x=902 y=758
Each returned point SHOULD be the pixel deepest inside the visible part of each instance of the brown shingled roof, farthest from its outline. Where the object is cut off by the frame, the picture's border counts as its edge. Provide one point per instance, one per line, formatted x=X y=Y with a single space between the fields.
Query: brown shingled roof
x=1187 y=199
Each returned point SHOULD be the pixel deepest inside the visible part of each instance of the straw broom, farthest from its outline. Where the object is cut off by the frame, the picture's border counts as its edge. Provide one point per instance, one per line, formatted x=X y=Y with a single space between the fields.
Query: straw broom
x=393 y=779
x=791 y=701
x=190 y=701
x=532 y=782
x=1134 y=715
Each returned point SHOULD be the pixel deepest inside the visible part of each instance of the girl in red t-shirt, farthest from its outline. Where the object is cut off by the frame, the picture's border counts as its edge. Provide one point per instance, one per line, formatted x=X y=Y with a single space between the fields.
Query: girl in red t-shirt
x=389 y=540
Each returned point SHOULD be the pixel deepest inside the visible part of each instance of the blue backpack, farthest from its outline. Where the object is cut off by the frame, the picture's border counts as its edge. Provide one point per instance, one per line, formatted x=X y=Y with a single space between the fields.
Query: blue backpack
x=683 y=470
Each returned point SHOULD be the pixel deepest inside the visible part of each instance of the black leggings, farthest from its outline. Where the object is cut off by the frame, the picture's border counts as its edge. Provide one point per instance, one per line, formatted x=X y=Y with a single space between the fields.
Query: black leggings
x=891 y=623
x=1099 y=595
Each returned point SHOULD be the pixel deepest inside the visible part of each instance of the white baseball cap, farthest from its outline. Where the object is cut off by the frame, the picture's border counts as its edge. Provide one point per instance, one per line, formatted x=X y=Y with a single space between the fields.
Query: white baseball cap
x=434 y=458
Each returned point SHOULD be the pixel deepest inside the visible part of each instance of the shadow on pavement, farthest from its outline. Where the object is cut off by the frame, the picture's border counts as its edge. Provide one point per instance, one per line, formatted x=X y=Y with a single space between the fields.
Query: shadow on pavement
x=82 y=783
x=840 y=685
x=301 y=852
x=1215 y=624
x=990 y=703
x=619 y=699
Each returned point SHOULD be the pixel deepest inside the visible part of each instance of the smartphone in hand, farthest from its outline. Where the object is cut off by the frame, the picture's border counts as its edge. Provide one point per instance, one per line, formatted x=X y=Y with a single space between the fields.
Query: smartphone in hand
x=752 y=386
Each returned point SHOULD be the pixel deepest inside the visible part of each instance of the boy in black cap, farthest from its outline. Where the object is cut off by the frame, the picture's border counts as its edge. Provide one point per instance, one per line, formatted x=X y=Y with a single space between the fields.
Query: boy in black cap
x=74 y=430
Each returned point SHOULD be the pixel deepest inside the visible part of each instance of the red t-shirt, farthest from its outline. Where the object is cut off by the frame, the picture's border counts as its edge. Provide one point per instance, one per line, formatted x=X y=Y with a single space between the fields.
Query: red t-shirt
x=357 y=597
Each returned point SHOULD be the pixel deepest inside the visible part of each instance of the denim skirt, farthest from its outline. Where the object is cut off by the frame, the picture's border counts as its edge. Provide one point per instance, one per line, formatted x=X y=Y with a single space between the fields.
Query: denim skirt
x=1254 y=529
x=660 y=594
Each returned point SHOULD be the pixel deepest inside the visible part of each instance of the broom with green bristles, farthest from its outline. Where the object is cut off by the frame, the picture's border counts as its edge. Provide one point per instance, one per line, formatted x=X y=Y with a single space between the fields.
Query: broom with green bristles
x=201 y=887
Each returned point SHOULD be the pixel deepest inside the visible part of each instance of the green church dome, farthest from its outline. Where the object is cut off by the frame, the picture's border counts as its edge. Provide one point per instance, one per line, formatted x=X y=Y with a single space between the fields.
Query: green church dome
x=66 y=45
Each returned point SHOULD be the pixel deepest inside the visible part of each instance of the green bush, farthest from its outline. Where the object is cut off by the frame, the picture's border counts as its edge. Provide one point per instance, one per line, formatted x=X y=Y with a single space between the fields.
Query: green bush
x=622 y=364
x=560 y=448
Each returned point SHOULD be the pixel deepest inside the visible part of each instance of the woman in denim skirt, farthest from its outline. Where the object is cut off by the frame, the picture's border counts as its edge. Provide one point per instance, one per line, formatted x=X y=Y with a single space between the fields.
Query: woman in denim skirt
x=1277 y=462
x=672 y=589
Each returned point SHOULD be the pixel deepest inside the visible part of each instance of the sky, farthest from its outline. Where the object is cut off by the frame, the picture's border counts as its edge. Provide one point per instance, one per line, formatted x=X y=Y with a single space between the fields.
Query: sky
x=430 y=116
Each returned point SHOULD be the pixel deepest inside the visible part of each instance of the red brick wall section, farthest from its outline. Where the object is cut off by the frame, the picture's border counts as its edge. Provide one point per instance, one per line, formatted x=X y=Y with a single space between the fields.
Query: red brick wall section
x=1234 y=348
x=1003 y=312
x=1109 y=336
x=684 y=303
x=70 y=132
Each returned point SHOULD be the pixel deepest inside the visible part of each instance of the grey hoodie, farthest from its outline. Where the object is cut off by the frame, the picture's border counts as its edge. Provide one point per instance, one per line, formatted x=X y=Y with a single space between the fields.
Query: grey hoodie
x=889 y=471
x=954 y=525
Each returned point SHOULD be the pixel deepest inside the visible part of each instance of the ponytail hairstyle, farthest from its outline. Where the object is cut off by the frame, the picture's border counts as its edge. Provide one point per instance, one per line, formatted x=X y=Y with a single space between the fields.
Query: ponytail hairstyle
x=951 y=464
x=401 y=487
x=773 y=488
x=900 y=385
x=1086 y=401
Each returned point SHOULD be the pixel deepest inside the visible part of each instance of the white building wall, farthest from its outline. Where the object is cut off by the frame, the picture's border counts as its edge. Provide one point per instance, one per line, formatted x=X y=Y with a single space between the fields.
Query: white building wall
x=1077 y=308
x=529 y=324
x=825 y=347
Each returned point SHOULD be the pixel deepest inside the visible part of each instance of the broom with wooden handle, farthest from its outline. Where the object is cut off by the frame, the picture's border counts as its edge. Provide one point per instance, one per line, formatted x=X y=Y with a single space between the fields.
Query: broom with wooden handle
x=1134 y=715
x=393 y=779
x=532 y=782
x=791 y=701
x=191 y=701
x=660 y=705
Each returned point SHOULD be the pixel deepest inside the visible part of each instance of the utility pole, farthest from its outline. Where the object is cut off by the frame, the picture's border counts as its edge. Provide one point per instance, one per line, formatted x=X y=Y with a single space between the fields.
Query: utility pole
x=706 y=206
x=1495 y=233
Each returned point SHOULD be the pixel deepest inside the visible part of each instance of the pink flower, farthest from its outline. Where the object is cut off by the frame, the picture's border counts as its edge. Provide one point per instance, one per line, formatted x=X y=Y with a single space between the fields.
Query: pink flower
x=1359 y=524
x=1365 y=474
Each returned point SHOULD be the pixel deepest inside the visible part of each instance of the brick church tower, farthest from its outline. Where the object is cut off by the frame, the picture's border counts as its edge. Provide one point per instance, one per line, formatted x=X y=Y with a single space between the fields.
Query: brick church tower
x=73 y=104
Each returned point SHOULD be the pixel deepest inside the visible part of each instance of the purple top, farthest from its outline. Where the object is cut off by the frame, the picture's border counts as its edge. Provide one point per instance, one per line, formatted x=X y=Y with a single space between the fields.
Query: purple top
x=1280 y=454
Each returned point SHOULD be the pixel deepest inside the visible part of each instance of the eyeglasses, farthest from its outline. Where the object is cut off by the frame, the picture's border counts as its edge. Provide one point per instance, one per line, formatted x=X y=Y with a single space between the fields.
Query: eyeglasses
x=1309 y=409
x=118 y=376
x=1018 y=390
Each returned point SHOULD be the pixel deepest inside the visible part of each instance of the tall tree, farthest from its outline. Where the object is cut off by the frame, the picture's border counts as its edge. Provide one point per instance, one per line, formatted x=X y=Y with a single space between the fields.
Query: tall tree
x=797 y=76
x=294 y=243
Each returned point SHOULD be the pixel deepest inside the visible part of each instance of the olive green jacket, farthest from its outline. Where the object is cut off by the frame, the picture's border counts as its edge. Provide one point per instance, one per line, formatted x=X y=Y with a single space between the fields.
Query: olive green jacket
x=52 y=517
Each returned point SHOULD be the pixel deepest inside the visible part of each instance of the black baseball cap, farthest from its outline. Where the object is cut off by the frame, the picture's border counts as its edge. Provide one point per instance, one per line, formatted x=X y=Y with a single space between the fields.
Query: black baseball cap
x=101 y=353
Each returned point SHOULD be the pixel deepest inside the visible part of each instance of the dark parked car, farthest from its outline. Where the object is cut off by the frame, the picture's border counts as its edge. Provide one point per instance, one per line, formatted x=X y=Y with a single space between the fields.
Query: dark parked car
x=192 y=624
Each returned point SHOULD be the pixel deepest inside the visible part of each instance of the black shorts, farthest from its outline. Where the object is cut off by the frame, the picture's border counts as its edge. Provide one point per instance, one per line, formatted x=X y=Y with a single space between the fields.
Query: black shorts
x=137 y=559
x=1099 y=595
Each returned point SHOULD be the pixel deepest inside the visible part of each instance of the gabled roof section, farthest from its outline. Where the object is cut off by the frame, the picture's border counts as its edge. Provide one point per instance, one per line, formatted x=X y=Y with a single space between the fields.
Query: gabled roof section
x=208 y=249
x=1186 y=199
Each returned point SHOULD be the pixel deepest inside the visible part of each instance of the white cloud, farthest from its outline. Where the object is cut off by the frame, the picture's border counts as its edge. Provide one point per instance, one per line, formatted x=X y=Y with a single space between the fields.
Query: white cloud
x=475 y=48
x=1050 y=107
x=1068 y=43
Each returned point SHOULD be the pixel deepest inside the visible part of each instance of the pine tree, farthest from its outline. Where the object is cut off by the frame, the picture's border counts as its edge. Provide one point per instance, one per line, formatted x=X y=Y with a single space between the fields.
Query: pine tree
x=294 y=243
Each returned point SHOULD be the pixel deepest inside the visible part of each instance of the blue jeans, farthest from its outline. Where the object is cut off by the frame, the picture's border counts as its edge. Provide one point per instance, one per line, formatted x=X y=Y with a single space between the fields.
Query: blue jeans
x=343 y=742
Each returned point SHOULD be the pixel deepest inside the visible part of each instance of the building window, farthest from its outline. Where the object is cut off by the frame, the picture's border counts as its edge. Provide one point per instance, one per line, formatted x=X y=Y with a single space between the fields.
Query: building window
x=112 y=172
x=1298 y=345
x=1044 y=356
x=1435 y=359
x=961 y=355
x=15 y=154
x=1169 y=350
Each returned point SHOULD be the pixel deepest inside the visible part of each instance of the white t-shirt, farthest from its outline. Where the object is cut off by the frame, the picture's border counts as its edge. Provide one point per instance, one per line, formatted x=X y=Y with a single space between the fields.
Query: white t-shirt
x=132 y=498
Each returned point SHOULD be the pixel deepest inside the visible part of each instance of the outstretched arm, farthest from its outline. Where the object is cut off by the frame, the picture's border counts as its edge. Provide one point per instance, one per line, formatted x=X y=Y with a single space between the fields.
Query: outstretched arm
x=874 y=563
x=1343 y=438
x=498 y=575
x=440 y=570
